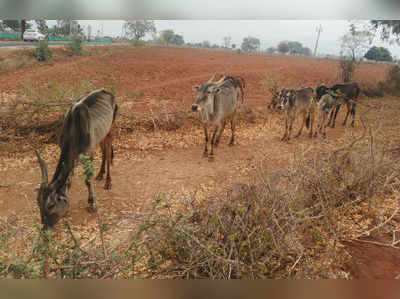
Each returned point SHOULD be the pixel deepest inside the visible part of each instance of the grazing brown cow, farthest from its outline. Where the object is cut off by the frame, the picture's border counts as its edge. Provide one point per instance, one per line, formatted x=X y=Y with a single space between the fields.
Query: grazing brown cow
x=89 y=122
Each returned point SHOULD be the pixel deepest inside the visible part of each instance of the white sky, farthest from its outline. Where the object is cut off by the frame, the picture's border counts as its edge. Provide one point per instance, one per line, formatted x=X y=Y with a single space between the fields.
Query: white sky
x=270 y=32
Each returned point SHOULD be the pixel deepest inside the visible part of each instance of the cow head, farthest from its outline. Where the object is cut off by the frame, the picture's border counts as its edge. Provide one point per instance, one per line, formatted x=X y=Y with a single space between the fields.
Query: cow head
x=284 y=98
x=320 y=91
x=205 y=95
x=52 y=200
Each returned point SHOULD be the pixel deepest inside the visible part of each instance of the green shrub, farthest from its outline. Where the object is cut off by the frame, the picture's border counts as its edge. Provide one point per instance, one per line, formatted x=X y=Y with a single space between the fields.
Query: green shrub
x=75 y=47
x=42 y=52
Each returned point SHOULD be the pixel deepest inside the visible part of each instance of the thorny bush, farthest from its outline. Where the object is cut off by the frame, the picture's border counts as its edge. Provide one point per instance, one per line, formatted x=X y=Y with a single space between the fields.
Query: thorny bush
x=42 y=52
x=75 y=46
x=282 y=224
x=40 y=107
x=391 y=84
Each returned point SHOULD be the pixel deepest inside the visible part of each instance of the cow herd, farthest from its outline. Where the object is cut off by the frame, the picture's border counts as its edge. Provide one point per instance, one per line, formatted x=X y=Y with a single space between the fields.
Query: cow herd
x=328 y=101
x=90 y=120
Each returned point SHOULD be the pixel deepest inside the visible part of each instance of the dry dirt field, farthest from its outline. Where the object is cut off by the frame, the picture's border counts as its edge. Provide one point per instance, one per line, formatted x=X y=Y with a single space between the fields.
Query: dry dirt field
x=154 y=84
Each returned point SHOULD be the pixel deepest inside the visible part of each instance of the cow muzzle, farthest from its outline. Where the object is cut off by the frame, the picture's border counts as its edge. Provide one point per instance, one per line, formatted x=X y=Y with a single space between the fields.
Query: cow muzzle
x=194 y=107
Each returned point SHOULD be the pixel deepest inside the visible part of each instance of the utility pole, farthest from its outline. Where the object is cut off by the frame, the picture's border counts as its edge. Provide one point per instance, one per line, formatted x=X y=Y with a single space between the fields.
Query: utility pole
x=319 y=30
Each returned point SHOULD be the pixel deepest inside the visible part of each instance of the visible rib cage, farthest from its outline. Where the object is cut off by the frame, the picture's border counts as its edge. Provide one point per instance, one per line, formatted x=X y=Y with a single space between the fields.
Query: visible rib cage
x=87 y=123
x=237 y=81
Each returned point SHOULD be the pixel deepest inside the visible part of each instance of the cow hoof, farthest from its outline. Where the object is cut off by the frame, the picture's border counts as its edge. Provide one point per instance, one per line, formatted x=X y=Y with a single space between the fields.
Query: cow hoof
x=205 y=155
x=211 y=159
x=107 y=185
x=99 y=177
x=216 y=144
x=231 y=144
x=92 y=208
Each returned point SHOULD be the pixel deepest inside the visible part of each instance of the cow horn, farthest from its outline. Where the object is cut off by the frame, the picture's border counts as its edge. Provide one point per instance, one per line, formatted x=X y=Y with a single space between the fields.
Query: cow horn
x=213 y=77
x=43 y=168
x=222 y=79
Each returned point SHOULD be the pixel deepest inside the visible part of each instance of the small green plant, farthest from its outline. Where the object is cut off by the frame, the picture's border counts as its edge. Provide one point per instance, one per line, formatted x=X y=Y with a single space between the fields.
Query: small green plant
x=75 y=47
x=42 y=52
x=87 y=162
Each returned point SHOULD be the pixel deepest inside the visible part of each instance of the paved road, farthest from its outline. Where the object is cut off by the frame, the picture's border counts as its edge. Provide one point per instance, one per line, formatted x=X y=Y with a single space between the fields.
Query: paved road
x=23 y=44
x=26 y=44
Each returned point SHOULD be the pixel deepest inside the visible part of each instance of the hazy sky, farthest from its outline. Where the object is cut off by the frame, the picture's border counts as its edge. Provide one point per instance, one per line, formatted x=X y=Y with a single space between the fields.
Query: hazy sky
x=270 y=32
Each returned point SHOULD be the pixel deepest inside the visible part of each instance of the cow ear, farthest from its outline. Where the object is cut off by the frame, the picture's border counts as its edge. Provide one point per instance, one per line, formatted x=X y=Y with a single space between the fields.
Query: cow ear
x=196 y=88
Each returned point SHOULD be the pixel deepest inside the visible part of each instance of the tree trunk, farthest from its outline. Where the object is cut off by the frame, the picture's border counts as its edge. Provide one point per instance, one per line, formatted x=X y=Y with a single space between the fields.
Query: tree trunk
x=23 y=27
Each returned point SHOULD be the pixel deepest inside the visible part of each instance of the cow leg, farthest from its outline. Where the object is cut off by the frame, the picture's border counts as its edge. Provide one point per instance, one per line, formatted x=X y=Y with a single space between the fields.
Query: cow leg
x=220 y=133
x=205 y=153
x=92 y=205
x=322 y=128
x=291 y=121
x=69 y=179
x=302 y=124
x=311 y=113
x=211 y=157
x=320 y=123
x=100 y=175
x=286 y=127
x=347 y=113
x=353 y=113
x=335 y=115
x=233 y=127
x=331 y=116
x=108 y=154
x=91 y=201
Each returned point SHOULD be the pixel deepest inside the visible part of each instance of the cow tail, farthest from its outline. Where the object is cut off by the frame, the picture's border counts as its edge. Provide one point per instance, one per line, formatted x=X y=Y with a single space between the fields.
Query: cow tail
x=242 y=85
x=112 y=154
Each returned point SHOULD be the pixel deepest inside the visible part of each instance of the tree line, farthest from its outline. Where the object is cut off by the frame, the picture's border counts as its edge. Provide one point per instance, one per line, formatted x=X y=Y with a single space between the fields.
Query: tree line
x=353 y=44
x=290 y=47
x=62 y=27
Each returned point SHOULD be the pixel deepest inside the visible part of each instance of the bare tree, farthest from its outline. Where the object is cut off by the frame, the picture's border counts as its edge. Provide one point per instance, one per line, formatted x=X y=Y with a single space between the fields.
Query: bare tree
x=138 y=29
x=250 y=43
x=355 y=42
x=389 y=29
x=227 y=41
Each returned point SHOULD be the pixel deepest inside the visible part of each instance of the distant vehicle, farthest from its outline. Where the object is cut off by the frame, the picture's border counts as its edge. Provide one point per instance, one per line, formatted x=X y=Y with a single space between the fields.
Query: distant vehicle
x=33 y=35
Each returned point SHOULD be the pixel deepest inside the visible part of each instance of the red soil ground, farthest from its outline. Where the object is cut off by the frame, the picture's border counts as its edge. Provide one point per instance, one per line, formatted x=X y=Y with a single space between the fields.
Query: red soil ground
x=170 y=162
